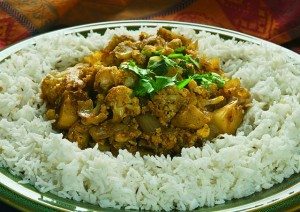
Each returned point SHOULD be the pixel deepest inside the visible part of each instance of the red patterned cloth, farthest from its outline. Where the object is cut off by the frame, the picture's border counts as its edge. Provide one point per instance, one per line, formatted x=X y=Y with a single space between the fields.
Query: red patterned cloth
x=274 y=20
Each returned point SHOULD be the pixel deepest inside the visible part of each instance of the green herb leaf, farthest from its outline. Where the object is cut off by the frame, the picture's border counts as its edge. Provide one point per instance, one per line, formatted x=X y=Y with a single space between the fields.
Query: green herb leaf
x=152 y=79
x=160 y=64
x=161 y=82
x=150 y=86
x=181 y=84
x=169 y=62
x=143 y=88
x=193 y=61
x=209 y=78
x=176 y=56
x=186 y=58
x=149 y=83
x=134 y=68
x=157 y=64
x=180 y=49
x=206 y=80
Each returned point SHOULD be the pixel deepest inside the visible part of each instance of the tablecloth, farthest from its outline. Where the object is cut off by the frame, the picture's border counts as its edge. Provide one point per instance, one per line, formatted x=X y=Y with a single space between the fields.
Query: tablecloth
x=275 y=20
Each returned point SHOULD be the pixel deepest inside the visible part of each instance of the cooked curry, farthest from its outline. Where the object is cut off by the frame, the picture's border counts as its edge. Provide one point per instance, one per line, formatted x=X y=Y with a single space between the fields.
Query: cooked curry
x=154 y=95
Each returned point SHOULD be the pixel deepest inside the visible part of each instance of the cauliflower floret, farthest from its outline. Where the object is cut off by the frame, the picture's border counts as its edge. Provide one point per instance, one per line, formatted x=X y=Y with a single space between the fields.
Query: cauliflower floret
x=167 y=102
x=92 y=115
x=139 y=57
x=111 y=136
x=79 y=133
x=57 y=82
x=108 y=77
x=72 y=79
x=115 y=40
x=122 y=103
x=175 y=43
x=169 y=36
x=124 y=50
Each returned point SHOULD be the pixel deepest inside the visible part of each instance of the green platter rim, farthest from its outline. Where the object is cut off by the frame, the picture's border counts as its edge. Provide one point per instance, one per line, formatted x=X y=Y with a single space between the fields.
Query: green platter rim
x=26 y=197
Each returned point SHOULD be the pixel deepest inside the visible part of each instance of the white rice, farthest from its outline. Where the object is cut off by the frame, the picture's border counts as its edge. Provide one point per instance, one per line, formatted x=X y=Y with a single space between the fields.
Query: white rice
x=265 y=150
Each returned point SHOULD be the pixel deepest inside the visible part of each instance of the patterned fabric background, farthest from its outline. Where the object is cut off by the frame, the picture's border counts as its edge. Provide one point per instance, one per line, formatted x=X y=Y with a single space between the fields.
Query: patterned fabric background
x=274 y=20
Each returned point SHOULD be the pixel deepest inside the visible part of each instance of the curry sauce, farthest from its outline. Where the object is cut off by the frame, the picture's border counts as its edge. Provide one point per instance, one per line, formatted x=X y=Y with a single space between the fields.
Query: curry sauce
x=154 y=95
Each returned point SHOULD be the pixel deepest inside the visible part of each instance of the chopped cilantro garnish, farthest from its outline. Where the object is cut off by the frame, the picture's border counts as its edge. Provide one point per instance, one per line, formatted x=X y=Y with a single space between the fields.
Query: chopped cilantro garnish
x=134 y=68
x=152 y=79
x=148 y=82
x=206 y=80
x=160 y=64
x=180 y=49
x=209 y=78
x=185 y=58
x=181 y=84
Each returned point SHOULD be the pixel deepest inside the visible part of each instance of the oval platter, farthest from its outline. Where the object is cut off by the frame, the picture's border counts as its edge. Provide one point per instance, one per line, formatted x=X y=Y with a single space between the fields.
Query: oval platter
x=285 y=195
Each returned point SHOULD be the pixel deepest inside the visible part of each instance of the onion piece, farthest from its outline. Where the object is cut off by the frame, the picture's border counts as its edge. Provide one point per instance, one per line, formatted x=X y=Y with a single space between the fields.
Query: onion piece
x=148 y=122
x=215 y=100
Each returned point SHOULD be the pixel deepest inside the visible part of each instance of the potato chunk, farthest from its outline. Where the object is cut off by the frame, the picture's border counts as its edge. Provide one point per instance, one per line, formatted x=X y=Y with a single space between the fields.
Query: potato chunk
x=228 y=118
x=67 y=113
x=191 y=118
